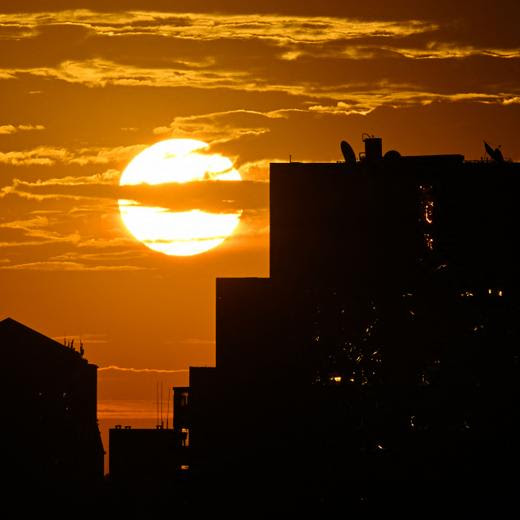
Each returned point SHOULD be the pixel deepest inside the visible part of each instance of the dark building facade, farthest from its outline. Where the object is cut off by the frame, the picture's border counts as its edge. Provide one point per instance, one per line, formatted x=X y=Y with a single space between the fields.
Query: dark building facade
x=145 y=456
x=385 y=344
x=50 y=433
x=152 y=460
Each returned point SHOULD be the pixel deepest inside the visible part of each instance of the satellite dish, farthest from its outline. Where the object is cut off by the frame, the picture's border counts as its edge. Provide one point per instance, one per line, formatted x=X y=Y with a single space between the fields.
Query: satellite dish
x=495 y=154
x=392 y=155
x=348 y=153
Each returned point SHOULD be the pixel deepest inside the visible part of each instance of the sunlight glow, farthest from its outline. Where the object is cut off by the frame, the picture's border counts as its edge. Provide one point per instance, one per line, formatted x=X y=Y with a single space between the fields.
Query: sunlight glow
x=173 y=232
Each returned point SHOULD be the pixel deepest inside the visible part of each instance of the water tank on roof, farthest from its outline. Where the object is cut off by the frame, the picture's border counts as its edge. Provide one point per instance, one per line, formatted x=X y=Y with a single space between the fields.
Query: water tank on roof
x=373 y=147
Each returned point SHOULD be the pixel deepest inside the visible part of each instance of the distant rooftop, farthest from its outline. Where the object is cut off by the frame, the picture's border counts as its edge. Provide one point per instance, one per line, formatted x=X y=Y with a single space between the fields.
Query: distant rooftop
x=13 y=333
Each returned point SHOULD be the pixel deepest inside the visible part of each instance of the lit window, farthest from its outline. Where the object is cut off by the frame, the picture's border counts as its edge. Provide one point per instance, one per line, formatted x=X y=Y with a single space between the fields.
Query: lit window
x=185 y=436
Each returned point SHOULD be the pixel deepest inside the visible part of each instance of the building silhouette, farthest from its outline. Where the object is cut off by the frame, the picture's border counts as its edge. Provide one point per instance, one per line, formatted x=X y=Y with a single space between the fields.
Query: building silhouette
x=384 y=346
x=145 y=456
x=50 y=435
x=152 y=464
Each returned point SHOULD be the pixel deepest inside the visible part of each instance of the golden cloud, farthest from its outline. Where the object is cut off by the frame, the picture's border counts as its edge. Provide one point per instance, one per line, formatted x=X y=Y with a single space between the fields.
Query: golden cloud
x=351 y=98
x=13 y=129
x=142 y=370
x=36 y=229
x=435 y=50
x=212 y=26
x=363 y=103
x=69 y=266
x=225 y=126
x=124 y=409
x=49 y=156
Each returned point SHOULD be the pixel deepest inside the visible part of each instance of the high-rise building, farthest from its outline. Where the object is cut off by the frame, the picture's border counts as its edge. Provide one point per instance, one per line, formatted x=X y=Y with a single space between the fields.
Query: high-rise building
x=385 y=343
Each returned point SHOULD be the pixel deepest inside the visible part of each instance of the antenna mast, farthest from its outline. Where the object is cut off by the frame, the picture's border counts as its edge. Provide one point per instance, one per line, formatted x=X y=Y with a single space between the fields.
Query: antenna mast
x=156 y=403
x=162 y=422
x=168 y=407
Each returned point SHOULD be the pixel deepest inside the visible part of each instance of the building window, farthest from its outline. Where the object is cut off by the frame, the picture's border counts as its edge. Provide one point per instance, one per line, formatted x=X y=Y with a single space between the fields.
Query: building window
x=185 y=437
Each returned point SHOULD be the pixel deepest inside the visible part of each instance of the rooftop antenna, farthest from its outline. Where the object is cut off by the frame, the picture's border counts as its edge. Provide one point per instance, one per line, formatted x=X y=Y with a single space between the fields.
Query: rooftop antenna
x=161 y=406
x=156 y=404
x=168 y=407
x=162 y=399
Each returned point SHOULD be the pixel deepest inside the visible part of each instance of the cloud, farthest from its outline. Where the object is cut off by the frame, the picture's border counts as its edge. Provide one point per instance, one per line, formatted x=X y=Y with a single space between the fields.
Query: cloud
x=212 y=26
x=125 y=409
x=113 y=254
x=213 y=127
x=106 y=178
x=436 y=50
x=213 y=196
x=36 y=229
x=361 y=96
x=42 y=156
x=97 y=72
x=258 y=170
x=85 y=338
x=49 y=155
x=68 y=266
x=225 y=126
x=105 y=243
x=294 y=36
x=13 y=129
x=363 y=103
x=99 y=186
x=142 y=370
x=512 y=101
x=193 y=341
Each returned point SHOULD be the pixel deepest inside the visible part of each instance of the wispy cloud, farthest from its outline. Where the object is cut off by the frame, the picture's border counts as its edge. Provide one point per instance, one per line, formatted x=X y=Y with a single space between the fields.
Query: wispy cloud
x=295 y=36
x=85 y=338
x=49 y=155
x=213 y=196
x=142 y=370
x=194 y=341
x=363 y=98
x=439 y=50
x=225 y=126
x=97 y=72
x=212 y=26
x=127 y=409
x=13 y=129
x=69 y=266
x=36 y=231
x=107 y=255
x=364 y=103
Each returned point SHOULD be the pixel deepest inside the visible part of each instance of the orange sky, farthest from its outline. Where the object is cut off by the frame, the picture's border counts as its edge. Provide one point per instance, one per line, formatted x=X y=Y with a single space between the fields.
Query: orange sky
x=84 y=86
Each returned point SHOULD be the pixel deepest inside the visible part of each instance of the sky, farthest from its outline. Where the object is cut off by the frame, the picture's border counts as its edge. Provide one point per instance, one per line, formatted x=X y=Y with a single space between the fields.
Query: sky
x=85 y=86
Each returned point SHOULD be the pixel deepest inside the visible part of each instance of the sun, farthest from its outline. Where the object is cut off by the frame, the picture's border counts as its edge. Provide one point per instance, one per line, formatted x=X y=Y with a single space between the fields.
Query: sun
x=177 y=233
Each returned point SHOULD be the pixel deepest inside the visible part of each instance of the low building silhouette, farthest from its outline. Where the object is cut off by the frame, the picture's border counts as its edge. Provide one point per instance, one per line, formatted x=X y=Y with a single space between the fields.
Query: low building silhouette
x=384 y=346
x=150 y=466
x=145 y=456
x=152 y=458
x=51 y=436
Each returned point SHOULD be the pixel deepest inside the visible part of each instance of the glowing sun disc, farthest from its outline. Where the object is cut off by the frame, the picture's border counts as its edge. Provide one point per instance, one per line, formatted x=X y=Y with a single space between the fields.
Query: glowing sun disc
x=178 y=233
